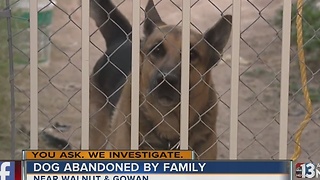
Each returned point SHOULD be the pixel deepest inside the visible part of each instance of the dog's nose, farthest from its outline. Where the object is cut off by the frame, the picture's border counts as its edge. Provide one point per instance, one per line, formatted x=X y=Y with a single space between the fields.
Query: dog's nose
x=168 y=78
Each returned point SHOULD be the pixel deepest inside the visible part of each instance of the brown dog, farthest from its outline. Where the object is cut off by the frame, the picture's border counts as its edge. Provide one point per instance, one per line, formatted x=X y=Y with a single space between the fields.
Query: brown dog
x=160 y=83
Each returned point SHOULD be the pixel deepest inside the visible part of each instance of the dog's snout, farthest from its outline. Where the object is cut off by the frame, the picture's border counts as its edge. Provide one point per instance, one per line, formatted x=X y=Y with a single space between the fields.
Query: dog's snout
x=166 y=87
x=172 y=79
x=167 y=78
x=159 y=78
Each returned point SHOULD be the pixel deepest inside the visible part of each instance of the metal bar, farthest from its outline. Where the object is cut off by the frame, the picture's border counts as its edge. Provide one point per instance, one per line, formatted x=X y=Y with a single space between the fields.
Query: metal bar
x=85 y=54
x=236 y=29
x=135 y=75
x=285 y=67
x=11 y=80
x=185 y=73
x=33 y=74
x=5 y=13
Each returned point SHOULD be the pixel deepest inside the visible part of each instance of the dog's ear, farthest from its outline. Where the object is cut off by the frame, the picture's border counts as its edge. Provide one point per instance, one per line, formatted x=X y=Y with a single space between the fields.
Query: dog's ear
x=153 y=18
x=218 y=35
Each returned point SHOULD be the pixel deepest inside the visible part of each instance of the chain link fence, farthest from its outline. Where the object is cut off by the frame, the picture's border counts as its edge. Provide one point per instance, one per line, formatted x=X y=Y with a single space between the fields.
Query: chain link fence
x=59 y=75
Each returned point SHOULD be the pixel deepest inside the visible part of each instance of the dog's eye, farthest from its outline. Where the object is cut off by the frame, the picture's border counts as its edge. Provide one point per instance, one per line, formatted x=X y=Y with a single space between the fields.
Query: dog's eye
x=193 y=54
x=158 y=50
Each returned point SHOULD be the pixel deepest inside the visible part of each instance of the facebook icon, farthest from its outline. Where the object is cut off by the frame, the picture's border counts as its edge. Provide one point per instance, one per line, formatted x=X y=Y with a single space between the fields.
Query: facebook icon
x=6 y=170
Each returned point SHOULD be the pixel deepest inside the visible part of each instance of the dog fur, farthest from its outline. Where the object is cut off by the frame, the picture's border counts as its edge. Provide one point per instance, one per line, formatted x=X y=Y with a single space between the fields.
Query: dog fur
x=160 y=74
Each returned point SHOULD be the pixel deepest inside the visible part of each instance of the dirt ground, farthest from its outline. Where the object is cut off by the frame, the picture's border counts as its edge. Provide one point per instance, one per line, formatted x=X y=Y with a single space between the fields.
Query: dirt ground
x=259 y=91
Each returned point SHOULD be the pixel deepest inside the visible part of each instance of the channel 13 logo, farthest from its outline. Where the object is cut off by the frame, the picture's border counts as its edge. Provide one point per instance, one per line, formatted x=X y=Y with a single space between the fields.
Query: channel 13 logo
x=7 y=170
x=307 y=170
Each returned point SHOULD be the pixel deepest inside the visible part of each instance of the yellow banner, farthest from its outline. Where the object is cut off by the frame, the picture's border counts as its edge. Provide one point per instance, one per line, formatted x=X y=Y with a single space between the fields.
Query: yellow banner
x=101 y=155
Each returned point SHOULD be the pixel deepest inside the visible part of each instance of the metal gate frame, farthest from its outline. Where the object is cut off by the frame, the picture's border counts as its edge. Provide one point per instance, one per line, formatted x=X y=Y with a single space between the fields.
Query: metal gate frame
x=284 y=99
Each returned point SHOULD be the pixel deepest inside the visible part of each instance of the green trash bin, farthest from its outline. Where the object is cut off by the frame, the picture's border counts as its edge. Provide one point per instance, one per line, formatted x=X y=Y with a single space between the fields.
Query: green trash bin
x=21 y=32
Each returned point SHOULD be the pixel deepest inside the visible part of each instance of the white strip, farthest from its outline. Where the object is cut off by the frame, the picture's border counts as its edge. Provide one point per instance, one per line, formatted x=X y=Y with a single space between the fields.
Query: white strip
x=284 y=96
x=185 y=73
x=135 y=75
x=236 y=29
x=33 y=74
x=85 y=74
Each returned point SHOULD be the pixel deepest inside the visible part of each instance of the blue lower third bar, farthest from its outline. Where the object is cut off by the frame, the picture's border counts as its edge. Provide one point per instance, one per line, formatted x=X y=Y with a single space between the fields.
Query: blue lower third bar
x=162 y=167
